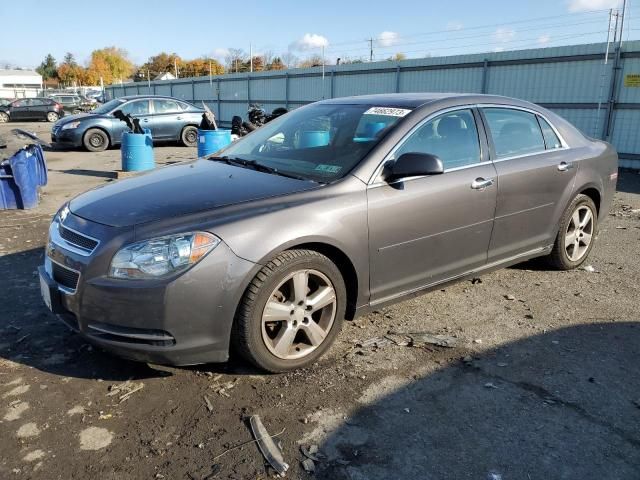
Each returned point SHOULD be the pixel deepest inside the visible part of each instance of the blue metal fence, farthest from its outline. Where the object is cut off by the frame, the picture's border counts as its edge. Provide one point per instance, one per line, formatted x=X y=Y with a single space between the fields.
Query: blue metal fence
x=603 y=100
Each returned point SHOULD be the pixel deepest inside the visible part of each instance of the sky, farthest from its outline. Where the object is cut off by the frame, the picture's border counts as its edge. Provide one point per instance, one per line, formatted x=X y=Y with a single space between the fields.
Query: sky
x=193 y=28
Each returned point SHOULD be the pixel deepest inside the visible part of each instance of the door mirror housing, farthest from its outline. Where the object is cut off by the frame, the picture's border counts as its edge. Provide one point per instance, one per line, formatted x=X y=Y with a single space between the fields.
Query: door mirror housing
x=414 y=164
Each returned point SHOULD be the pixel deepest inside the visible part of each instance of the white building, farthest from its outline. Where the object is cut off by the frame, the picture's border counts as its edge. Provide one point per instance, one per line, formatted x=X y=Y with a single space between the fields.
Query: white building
x=165 y=76
x=20 y=83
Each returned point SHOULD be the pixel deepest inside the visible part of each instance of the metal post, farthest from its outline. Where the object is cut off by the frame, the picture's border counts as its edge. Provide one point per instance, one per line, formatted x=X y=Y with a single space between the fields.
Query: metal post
x=248 y=91
x=485 y=75
x=608 y=119
x=170 y=88
x=333 y=72
x=193 y=90
x=286 y=90
x=398 y=79
x=218 y=97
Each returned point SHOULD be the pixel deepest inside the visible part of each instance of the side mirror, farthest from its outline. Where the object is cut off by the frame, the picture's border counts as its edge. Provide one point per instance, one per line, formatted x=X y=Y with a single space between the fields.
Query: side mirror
x=414 y=165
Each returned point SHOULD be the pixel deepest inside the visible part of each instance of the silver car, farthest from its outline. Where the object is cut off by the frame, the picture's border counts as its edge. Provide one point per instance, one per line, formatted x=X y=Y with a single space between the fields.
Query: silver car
x=320 y=215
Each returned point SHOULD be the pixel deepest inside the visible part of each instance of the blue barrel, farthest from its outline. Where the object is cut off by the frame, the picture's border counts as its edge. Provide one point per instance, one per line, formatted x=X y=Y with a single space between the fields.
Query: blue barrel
x=314 y=138
x=19 y=181
x=137 y=151
x=210 y=141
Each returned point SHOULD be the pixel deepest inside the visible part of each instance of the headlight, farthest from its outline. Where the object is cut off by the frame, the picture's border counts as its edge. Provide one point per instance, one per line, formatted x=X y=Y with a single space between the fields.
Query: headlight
x=70 y=125
x=162 y=256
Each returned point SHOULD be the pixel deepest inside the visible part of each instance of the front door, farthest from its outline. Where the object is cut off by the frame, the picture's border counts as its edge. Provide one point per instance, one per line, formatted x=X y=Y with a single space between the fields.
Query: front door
x=20 y=109
x=137 y=109
x=424 y=230
x=534 y=181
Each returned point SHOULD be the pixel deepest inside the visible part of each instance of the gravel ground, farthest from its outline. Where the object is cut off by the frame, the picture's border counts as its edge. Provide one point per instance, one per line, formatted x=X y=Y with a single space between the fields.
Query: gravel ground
x=543 y=380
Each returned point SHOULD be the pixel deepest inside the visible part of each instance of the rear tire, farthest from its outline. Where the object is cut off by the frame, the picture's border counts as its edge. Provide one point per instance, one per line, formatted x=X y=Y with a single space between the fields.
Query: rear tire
x=189 y=136
x=4 y=118
x=576 y=235
x=291 y=312
x=95 y=140
x=52 y=117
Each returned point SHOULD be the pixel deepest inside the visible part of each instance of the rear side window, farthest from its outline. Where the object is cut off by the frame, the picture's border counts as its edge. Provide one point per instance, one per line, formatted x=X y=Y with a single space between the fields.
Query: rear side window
x=514 y=132
x=551 y=140
x=452 y=137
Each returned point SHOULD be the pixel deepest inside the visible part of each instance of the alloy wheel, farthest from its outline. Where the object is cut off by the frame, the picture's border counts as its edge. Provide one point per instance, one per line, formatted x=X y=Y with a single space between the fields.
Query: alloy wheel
x=299 y=314
x=579 y=233
x=4 y=117
x=52 y=117
x=96 y=141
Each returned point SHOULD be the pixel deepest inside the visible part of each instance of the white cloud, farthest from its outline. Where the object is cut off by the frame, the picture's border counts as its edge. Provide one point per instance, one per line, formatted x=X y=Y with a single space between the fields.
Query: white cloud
x=310 y=41
x=586 y=5
x=544 y=39
x=388 y=39
x=220 y=53
x=498 y=49
x=504 y=35
x=453 y=26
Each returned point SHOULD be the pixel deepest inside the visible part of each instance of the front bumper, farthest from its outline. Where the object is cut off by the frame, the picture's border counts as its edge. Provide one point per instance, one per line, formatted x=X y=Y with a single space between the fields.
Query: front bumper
x=181 y=320
x=71 y=137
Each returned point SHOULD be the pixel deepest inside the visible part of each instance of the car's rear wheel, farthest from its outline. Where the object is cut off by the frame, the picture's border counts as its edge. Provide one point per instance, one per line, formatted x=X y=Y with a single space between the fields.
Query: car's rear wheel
x=576 y=235
x=291 y=312
x=4 y=118
x=189 y=136
x=76 y=111
x=52 y=117
x=96 y=140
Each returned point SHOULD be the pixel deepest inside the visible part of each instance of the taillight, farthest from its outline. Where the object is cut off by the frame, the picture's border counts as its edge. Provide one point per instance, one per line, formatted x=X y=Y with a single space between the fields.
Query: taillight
x=58 y=106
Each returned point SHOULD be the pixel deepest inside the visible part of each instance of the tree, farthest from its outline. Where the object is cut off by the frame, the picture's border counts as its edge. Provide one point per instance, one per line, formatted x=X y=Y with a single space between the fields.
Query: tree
x=276 y=64
x=48 y=68
x=110 y=64
x=69 y=59
x=312 y=61
x=398 y=57
x=257 y=64
x=161 y=63
x=200 y=67
x=235 y=60
x=70 y=74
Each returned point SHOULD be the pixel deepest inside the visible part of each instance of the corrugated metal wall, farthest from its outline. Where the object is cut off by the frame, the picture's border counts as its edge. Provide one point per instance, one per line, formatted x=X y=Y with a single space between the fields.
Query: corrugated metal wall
x=573 y=81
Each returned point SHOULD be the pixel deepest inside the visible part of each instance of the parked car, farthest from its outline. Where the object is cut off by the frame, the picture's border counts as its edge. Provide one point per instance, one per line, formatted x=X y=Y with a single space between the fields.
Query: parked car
x=169 y=119
x=72 y=104
x=325 y=213
x=5 y=101
x=31 y=109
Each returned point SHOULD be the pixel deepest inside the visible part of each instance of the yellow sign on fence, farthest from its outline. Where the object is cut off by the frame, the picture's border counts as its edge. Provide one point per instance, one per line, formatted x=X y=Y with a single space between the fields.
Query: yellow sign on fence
x=632 y=80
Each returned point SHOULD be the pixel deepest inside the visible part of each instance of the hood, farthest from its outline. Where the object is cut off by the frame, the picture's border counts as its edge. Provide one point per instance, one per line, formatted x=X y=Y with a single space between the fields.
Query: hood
x=179 y=190
x=77 y=116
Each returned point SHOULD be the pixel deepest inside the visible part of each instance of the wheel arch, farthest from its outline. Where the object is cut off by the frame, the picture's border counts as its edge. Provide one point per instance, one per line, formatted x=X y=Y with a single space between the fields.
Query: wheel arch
x=594 y=194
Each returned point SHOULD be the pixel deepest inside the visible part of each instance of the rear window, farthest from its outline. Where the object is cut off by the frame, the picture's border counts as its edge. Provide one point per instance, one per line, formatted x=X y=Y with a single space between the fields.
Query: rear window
x=514 y=132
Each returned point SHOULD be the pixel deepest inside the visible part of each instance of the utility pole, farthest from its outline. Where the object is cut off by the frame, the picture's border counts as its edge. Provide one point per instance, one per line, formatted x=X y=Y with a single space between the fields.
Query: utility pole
x=175 y=66
x=148 y=81
x=250 y=58
x=370 y=49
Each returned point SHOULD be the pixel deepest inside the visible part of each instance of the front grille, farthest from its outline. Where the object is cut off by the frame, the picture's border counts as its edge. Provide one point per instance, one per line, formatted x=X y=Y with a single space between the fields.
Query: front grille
x=77 y=240
x=64 y=276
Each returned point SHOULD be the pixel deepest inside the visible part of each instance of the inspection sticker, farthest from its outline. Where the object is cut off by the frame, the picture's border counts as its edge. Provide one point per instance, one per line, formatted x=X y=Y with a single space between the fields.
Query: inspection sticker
x=389 y=111
x=328 y=168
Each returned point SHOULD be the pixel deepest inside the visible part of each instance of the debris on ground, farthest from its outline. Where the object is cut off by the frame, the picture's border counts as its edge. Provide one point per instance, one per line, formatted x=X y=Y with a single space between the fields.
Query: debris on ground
x=124 y=390
x=417 y=339
x=308 y=465
x=589 y=268
x=222 y=389
x=489 y=385
x=208 y=404
x=267 y=446
x=475 y=281
x=312 y=452
x=509 y=297
x=375 y=342
x=467 y=360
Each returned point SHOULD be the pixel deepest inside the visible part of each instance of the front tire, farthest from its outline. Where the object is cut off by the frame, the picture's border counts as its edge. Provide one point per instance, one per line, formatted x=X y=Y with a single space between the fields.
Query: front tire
x=576 y=234
x=189 y=136
x=291 y=312
x=4 y=117
x=95 y=140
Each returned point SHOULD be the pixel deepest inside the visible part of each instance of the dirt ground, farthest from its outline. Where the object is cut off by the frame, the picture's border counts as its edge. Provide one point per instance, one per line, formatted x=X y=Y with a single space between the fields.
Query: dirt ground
x=542 y=383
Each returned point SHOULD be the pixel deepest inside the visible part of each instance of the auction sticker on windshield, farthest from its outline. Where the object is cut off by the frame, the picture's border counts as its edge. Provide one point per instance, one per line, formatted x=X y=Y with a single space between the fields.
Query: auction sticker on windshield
x=390 y=112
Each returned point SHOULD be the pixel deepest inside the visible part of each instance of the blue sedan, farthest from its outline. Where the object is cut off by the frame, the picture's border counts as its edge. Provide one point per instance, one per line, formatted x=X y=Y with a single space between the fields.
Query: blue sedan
x=168 y=118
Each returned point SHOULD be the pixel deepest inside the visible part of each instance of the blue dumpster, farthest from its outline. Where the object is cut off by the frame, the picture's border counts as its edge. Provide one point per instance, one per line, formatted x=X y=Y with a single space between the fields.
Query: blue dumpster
x=19 y=180
x=314 y=138
x=136 y=151
x=210 y=141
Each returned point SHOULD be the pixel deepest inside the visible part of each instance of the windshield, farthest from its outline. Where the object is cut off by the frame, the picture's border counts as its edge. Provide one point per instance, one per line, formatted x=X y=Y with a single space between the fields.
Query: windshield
x=107 y=107
x=321 y=142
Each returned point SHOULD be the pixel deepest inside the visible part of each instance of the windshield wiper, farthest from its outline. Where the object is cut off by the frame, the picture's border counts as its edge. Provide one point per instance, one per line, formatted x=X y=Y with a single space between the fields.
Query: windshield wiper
x=260 y=167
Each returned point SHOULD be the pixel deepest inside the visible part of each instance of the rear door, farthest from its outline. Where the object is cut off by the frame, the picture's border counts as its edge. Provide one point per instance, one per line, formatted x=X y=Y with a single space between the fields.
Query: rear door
x=20 y=109
x=38 y=109
x=168 y=119
x=424 y=230
x=534 y=181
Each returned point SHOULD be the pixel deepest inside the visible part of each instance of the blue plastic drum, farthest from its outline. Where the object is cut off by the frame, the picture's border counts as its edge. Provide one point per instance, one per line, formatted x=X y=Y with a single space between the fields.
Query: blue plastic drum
x=137 y=151
x=210 y=141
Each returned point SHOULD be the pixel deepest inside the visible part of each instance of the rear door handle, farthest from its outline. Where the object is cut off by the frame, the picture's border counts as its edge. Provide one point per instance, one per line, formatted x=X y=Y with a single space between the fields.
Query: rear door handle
x=178 y=118
x=480 y=183
x=564 y=166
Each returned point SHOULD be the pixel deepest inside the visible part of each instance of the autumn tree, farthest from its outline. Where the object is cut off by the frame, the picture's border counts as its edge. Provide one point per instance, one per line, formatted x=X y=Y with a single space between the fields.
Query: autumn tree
x=276 y=64
x=69 y=72
x=161 y=63
x=48 y=68
x=200 y=67
x=312 y=61
x=398 y=57
x=110 y=64
x=235 y=60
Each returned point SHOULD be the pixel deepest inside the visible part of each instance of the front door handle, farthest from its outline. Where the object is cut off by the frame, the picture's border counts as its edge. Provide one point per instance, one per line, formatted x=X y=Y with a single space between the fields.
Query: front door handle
x=178 y=118
x=564 y=166
x=481 y=183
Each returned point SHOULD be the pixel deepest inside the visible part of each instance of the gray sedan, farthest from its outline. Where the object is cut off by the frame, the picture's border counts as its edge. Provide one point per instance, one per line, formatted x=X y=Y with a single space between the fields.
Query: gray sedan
x=169 y=119
x=323 y=214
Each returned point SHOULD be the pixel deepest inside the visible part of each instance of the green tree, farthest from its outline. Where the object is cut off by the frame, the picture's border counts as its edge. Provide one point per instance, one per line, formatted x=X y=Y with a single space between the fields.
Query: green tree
x=69 y=59
x=48 y=68
x=276 y=64
x=160 y=63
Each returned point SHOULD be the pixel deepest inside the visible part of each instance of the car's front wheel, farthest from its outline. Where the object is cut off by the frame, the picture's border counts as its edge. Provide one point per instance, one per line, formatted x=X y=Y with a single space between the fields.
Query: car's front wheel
x=52 y=117
x=291 y=312
x=576 y=234
x=4 y=117
x=189 y=136
x=96 y=140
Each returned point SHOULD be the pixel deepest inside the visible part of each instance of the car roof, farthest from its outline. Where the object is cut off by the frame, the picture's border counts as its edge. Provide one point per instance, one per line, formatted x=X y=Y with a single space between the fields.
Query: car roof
x=415 y=100
x=134 y=97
